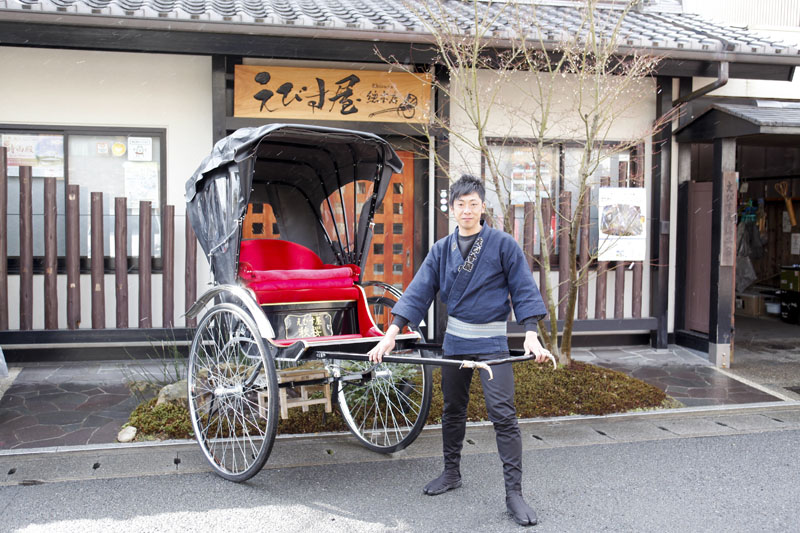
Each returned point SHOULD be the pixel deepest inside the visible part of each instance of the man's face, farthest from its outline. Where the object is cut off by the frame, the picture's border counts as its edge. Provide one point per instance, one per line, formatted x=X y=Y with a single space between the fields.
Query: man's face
x=467 y=211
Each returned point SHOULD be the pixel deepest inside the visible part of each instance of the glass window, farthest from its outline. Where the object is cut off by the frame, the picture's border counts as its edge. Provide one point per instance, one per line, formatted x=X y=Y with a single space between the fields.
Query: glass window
x=377 y=249
x=117 y=163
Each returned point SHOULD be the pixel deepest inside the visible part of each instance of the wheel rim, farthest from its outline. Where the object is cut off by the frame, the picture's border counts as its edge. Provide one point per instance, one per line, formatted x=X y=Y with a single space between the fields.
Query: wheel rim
x=226 y=377
x=385 y=407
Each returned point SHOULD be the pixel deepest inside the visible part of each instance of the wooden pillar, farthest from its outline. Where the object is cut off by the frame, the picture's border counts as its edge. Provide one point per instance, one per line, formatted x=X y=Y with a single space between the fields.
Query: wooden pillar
x=145 y=265
x=529 y=232
x=190 y=272
x=723 y=252
x=583 y=289
x=637 y=180
x=565 y=216
x=50 y=255
x=73 y=253
x=121 y=260
x=660 y=203
x=25 y=248
x=97 y=263
x=168 y=266
x=619 y=273
x=601 y=275
x=545 y=242
x=3 y=240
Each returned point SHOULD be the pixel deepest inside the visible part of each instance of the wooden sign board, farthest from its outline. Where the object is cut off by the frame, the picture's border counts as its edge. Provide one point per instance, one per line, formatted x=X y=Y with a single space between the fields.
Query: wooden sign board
x=331 y=94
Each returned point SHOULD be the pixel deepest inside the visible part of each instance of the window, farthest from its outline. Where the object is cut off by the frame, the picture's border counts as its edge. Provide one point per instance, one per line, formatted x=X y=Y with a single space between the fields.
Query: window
x=377 y=249
x=397 y=248
x=117 y=162
x=528 y=179
x=377 y=269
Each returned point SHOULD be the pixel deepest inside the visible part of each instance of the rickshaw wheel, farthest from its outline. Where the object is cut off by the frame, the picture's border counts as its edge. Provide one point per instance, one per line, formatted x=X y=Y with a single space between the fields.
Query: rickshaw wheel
x=388 y=406
x=233 y=393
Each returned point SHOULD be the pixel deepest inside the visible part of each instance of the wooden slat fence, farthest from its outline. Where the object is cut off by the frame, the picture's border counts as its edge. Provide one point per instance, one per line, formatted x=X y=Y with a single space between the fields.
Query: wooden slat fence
x=71 y=230
x=631 y=174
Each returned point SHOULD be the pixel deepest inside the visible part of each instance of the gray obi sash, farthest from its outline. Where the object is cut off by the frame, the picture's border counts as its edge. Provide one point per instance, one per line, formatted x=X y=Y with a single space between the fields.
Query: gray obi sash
x=465 y=330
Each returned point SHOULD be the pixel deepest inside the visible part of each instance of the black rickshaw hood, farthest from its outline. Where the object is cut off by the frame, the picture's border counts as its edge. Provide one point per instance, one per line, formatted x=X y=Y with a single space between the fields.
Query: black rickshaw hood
x=307 y=161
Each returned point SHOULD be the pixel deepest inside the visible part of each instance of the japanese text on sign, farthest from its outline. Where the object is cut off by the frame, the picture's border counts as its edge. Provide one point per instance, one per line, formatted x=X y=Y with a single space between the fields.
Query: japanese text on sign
x=330 y=94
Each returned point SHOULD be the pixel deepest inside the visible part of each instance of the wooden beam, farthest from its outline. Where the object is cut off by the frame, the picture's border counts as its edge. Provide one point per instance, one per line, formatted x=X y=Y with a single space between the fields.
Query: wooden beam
x=168 y=266
x=73 y=251
x=3 y=239
x=145 y=265
x=50 y=255
x=660 y=205
x=564 y=218
x=190 y=272
x=723 y=252
x=97 y=264
x=121 y=260
x=25 y=248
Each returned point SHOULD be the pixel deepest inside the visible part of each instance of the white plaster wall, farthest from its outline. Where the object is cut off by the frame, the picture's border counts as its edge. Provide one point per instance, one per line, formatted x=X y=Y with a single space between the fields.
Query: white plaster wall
x=86 y=88
x=510 y=117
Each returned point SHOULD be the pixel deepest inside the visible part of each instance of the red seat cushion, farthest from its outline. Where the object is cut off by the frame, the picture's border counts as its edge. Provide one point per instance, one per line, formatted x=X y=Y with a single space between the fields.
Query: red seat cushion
x=287 y=342
x=306 y=295
x=274 y=254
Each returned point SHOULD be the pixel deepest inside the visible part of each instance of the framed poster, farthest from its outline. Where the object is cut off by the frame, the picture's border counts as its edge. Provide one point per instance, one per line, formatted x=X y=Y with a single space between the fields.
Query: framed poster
x=622 y=224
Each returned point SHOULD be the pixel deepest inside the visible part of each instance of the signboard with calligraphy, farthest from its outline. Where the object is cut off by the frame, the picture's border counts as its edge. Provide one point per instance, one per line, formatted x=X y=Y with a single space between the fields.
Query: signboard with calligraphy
x=331 y=94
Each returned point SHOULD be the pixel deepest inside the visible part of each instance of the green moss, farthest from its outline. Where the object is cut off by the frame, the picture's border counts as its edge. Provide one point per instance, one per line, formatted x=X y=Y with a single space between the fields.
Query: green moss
x=168 y=420
x=540 y=390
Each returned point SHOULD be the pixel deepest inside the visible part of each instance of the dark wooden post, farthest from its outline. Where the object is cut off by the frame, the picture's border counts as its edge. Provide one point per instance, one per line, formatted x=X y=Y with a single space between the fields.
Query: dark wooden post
x=121 y=260
x=97 y=262
x=73 y=252
x=168 y=262
x=25 y=248
x=3 y=240
x=600 y=281
x=583 y=288
x=50 y=255
x=619 y=274
x=191 y=272
x=145 y=265
x=545 y=240
x=660 y=203
x=529 y=233
x=723 y=252
x=564 y=258
x=637 y=180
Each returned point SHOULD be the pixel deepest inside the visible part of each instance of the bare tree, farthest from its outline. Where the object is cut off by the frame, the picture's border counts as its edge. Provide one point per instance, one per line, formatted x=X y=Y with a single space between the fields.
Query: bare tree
x=511 y=75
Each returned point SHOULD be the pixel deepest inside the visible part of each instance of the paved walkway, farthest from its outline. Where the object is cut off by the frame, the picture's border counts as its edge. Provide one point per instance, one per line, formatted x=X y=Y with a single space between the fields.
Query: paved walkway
x=62 y=404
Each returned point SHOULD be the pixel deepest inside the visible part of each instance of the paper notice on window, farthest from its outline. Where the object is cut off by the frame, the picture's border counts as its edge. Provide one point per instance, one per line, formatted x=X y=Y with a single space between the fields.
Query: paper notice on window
x=140 y=148
x=141 y=183
x=787 y=223
x=795 y=243
x=621 y=213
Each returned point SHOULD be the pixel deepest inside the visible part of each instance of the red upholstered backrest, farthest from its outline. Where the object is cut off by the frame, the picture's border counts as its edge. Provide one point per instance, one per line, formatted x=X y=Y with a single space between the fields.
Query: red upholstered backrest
x=273 y=254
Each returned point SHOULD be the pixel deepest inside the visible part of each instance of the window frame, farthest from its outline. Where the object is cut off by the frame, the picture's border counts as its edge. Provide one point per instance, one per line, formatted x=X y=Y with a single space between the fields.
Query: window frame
x=562 y=145
x=65 y=131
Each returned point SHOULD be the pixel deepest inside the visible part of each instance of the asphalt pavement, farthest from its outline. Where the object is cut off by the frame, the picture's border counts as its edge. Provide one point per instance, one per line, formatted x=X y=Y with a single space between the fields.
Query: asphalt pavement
x=686 y=470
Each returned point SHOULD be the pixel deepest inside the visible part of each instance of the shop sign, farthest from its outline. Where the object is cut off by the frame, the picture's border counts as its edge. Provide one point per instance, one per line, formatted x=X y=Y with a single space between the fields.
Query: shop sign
x=43 y=153
x=331 y=94
x=621 y=218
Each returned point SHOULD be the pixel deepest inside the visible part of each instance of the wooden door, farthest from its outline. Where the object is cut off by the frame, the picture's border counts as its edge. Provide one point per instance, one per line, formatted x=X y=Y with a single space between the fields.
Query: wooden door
x=698 y=256
x=391 y=256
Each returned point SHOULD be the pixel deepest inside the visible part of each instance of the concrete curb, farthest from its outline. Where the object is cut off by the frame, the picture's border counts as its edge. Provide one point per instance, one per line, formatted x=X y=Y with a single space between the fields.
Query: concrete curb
x=571 y=419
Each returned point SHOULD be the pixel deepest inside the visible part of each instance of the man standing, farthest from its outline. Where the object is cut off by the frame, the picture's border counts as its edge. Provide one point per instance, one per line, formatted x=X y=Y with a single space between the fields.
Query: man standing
x=474 y=270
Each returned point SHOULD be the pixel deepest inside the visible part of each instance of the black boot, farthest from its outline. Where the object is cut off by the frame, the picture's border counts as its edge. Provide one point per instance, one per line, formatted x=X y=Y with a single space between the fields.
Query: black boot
x=448 y=480
x=520 y=511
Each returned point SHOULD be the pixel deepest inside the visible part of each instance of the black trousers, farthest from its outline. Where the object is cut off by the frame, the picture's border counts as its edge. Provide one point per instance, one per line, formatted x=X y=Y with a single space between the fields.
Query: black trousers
x=499 y=396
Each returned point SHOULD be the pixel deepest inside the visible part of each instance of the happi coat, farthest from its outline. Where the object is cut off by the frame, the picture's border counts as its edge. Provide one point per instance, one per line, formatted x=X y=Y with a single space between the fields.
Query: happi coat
x=475 y=290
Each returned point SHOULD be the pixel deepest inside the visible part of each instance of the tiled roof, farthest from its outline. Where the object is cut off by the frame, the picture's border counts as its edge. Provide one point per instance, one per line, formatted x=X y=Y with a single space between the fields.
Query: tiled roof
x=659 y=25
x=786 y=114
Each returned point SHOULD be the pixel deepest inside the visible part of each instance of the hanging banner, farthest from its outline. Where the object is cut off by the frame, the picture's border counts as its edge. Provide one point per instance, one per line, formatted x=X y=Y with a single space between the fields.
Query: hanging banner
x=330 y=94
x=621 y=220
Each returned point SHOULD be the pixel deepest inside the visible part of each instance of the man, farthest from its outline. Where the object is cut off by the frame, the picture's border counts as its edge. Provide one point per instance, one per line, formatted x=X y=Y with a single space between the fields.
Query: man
x=474 y=270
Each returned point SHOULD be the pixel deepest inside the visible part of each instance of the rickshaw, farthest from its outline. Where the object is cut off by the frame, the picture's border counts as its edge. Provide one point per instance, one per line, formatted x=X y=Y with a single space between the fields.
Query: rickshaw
x=297 y=301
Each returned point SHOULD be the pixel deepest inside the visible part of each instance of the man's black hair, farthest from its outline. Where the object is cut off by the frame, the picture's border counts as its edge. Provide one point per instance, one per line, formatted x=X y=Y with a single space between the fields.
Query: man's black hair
x=466 y=184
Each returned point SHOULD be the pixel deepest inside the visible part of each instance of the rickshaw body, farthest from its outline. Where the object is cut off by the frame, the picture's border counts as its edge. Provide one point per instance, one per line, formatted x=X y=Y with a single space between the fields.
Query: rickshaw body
x=290 y=320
